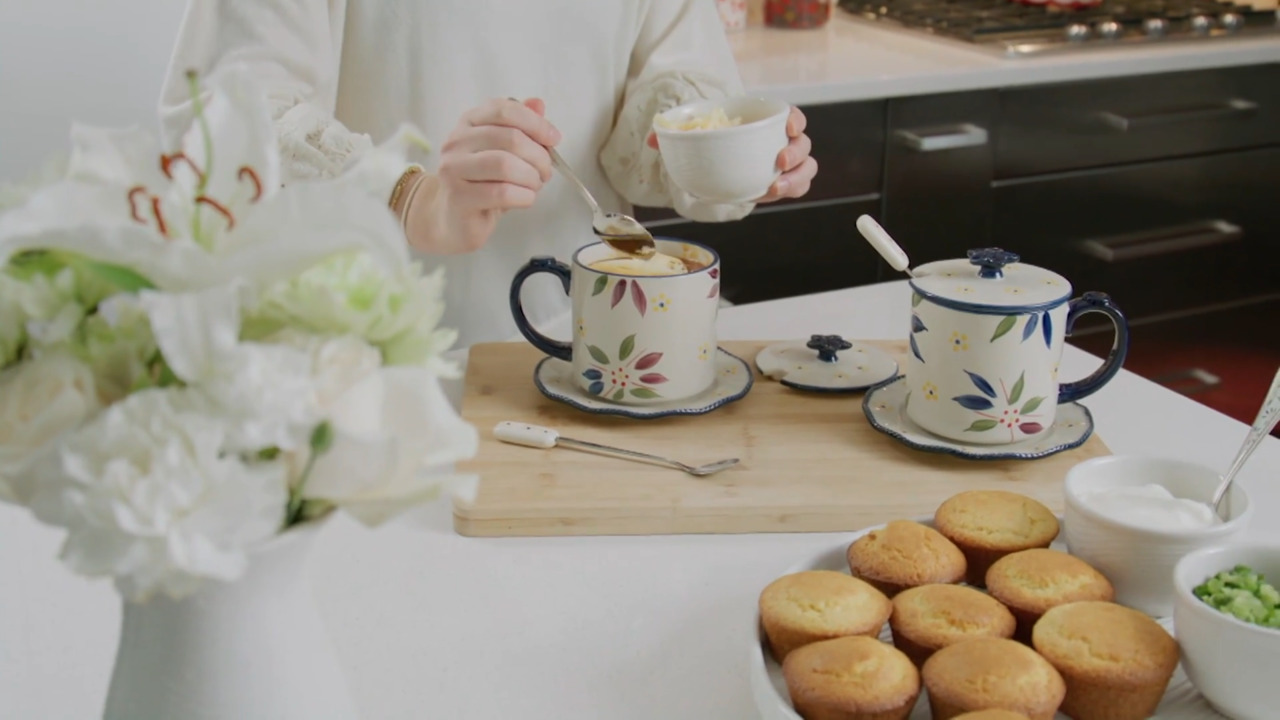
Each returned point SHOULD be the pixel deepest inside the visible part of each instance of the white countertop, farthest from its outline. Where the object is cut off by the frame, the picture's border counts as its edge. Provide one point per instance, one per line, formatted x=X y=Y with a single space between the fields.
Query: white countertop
x=852 y=59
x=433 y=625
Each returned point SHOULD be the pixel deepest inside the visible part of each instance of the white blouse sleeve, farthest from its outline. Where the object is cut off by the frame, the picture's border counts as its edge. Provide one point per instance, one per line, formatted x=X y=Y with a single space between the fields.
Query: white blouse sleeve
x=294 y=48
x=680 y=55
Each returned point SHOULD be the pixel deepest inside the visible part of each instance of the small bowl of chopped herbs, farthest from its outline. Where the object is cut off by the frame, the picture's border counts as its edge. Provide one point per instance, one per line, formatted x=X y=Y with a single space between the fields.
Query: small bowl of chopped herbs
x=1226 y=616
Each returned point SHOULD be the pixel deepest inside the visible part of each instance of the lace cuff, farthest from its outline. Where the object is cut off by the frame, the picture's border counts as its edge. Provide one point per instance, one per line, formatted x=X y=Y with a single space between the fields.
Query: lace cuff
x=636 y=170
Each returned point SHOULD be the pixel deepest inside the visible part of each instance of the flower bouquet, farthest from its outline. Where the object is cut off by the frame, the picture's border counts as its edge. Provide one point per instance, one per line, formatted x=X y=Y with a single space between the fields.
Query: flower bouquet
x=196 y=366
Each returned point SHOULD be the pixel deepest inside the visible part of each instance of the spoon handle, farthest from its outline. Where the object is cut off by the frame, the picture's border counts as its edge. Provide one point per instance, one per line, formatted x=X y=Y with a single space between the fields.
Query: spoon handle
x=564 y=168
x=883 y=243
x=1268 y=416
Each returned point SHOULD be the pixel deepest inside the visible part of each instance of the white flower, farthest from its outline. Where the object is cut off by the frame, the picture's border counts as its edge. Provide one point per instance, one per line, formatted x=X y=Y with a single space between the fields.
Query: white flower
x=337 y=363
x=395 y=437
x=190 y=221
x=50 y=306
x=118 y=345
x=40 y=400
x=398 y=312
x=149 y=495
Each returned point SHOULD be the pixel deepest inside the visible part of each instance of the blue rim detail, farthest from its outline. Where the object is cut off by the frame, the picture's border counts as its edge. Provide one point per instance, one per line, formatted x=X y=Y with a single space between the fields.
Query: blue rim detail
x=833 y=390
x=942 y=450
x=637 y=413
x=715 y=263
x=981 y=309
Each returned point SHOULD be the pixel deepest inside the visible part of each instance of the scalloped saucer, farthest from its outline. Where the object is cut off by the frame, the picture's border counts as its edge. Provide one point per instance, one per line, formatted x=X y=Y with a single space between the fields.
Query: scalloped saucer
x=883 y=406
x=733 y=381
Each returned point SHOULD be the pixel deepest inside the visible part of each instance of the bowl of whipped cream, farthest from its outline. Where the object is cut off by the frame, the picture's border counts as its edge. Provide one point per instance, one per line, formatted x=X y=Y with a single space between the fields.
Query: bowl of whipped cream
x=725 y=150
x=1133 y=518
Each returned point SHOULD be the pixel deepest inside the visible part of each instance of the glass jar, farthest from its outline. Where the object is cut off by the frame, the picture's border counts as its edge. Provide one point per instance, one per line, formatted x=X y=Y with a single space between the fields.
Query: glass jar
x=797 y=13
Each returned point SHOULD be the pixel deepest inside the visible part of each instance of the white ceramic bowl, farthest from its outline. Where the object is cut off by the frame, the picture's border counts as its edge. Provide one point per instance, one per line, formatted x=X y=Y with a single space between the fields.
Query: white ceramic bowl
x=1231 y=662
x=1139 y=562
x=725 y=165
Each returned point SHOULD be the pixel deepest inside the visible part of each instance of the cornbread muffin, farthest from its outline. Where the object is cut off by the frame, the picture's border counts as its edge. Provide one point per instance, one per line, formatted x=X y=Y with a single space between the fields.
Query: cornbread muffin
x=988 y=524
x=992 y=715
x=1116 y=661
x=930 y=617
x=989 y=674
x=905 y=554
x=814 y=605
x=851 y=678
x=1030 y=582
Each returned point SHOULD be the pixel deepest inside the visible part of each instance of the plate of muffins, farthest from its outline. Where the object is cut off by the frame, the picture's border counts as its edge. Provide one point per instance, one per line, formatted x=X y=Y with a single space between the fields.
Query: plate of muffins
x=978 y=613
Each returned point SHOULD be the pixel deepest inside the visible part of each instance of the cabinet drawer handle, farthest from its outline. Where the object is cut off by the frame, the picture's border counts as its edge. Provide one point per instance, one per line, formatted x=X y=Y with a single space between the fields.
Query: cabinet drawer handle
x=1125 y=123
x=1163 y=241
x=946 y=137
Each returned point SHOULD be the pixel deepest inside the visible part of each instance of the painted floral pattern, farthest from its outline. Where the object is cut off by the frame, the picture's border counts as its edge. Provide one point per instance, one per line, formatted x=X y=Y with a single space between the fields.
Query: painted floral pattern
x=582 y=327
x=1002 y=410
x=704 y=352
x=638 y=298
x=633 y=373
x=959 y=342
x=661 y=303
x=930 y=391
x=1041 y=321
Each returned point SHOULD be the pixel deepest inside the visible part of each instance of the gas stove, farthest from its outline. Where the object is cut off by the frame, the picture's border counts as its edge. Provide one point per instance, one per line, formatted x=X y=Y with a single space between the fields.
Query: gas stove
x=1020 y=29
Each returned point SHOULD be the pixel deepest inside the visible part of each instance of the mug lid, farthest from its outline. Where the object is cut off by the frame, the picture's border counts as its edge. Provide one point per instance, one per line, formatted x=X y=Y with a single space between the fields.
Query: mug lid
x=991 y=277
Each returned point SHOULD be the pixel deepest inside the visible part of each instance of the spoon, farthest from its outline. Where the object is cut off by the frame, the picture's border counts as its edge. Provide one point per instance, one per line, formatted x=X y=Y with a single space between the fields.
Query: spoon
x=885 y=245
x=1268 y=416
x=541 y=437
x=620 y=232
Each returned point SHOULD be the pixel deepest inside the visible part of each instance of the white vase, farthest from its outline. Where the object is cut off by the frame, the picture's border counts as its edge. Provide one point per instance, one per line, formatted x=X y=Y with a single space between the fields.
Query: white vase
x=249 y=649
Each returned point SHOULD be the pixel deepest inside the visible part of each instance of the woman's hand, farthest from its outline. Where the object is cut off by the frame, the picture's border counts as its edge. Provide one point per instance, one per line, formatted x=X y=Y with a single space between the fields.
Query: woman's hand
x=798 y=168
x=495 y=160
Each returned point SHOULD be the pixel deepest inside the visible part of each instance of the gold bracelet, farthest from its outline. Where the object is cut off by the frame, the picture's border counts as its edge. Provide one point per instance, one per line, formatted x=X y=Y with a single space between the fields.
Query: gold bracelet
x=408 y=201
x=402 y=182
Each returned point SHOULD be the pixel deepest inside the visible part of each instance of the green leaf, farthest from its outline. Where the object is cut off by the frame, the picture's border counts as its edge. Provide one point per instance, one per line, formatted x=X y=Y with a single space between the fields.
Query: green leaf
x=1031 y=405
x=619 y=395
x=644 y=393
x=269 y=454
x=1017 y=388
x=598 y=354
x=981 y=425
x=915 y=299
x=1005 y=326
x=117 y=275
x=601 y=283
x=628 y=346
x=322 y=437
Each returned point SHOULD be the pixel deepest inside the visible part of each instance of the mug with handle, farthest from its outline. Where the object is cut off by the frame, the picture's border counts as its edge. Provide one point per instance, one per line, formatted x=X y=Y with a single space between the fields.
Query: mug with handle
x=637 y=339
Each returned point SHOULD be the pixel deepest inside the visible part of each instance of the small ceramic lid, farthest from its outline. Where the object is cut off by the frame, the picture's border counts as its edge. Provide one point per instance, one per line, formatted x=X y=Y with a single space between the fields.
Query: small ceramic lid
x=826 y=363
x=991 y=277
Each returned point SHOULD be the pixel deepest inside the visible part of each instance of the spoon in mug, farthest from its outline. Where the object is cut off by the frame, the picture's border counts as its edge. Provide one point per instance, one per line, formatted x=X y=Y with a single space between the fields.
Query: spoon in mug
x=546 y=438
x=620 y=232
x=885 y=245
x=1268 y=416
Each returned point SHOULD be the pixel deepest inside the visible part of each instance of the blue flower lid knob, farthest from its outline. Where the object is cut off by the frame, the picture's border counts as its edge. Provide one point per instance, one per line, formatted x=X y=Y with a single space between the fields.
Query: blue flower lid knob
x=991 y=261
x=991 y=278
x=832 y=369
x=827 y=346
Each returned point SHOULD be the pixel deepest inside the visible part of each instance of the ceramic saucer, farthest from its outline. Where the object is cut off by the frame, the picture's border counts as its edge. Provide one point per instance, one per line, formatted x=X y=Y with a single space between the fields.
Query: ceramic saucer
x=826 y=363
x=733 y=381
x=885 y=409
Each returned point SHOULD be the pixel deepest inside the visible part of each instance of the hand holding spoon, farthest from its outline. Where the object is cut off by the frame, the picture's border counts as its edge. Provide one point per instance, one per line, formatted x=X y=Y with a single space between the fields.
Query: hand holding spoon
x=1268 y=416
x=885 y=245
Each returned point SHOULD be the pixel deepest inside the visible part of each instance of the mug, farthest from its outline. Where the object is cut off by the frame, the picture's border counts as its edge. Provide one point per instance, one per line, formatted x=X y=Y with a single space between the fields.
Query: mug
x=637 y=340
x=987 y=375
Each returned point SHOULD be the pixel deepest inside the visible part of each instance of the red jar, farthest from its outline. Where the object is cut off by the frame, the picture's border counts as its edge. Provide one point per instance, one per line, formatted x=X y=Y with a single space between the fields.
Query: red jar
x=797 y=13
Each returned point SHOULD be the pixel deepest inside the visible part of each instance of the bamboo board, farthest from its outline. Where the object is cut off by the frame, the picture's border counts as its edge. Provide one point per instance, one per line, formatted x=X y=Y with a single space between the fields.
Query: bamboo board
x=810 y=463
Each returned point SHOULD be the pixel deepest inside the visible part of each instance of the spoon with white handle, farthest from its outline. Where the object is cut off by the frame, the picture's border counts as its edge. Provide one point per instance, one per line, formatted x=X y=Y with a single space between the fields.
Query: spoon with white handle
x=541 y=437
x=1268 y=416
x=885 y=245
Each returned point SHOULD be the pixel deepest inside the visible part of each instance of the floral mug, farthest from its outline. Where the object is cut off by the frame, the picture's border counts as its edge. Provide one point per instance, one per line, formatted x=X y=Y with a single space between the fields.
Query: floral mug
x=637 y=340
x=986 y=338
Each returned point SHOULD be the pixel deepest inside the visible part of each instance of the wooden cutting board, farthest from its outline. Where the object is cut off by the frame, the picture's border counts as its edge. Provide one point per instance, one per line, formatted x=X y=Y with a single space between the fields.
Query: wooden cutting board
x=810 y=463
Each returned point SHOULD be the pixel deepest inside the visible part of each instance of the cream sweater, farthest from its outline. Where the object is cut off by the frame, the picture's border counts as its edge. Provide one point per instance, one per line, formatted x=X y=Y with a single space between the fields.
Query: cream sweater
x=343 y=74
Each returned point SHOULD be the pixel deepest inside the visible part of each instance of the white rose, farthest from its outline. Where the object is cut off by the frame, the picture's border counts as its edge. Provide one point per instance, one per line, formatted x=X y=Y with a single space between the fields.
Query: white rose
x=396 y=437
x=150 y=495
x=40 y=400
x=337 y=363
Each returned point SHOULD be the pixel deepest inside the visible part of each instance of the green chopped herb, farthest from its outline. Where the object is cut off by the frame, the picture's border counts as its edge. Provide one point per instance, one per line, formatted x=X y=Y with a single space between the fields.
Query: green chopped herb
x=1244 y=594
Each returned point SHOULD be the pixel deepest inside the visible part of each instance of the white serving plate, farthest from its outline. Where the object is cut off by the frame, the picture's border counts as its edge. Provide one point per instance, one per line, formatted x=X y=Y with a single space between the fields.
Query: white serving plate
x=1181 y=700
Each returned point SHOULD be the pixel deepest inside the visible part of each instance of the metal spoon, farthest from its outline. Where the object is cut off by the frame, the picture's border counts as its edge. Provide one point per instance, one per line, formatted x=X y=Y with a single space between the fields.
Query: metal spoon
x=885 y=245
x=620 y=232
x=541 y=437
x=1268 y=416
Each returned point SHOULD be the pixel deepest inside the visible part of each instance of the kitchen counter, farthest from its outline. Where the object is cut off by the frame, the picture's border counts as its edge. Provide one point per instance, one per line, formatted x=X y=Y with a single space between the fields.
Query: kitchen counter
x=429 y=624
x=852 y=59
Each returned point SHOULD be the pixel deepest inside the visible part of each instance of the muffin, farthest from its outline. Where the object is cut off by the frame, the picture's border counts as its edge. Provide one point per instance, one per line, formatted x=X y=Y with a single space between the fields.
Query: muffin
x=1030 y=582
x=851 y=678
x=814 y=605
x=988 y=524
x=1116 y=661
x=930 y=617
x=905 y=554
x=992 y=715
x=990 y=674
